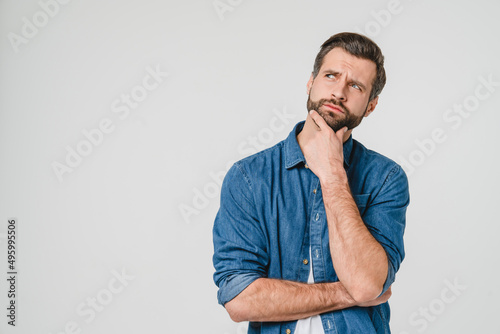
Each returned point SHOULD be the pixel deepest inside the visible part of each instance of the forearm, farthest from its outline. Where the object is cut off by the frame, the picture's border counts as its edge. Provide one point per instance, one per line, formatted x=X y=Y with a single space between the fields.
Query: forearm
x=279 y=300
x=359 y=260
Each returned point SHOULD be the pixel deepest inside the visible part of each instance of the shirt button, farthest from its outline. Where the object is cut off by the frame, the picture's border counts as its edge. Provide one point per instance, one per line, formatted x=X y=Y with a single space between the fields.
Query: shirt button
x=288 y=331
x=314 y=191
x=317 y=216
x=306 y=166
x=305 y=261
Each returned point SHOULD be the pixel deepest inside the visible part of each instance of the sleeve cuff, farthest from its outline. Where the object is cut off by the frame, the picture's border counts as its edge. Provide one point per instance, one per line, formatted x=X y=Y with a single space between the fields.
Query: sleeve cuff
x=391 y=276
x=234 y=285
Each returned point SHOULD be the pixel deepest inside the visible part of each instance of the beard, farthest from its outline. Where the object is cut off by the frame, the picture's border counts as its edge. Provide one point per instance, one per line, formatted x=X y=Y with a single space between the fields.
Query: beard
x=335 y=121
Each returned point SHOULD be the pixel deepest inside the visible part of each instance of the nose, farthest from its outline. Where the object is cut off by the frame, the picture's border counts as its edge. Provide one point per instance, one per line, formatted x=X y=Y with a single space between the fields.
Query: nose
x=339 y=91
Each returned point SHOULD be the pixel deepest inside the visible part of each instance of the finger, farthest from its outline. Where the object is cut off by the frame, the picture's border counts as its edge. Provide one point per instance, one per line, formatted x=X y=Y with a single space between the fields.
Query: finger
x=320 y=122
x=340 y=134
x=309 y=116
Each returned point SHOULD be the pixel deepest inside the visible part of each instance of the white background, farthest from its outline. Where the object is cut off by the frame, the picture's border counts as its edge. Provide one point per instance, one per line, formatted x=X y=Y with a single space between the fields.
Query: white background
x=229 y=73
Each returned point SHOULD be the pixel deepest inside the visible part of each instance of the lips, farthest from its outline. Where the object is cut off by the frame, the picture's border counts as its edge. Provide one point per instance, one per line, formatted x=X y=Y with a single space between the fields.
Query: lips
x=333 y=108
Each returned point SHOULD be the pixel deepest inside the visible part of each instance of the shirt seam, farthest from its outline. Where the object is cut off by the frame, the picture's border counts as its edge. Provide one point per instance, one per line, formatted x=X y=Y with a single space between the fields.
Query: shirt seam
x=392 y=172
x=245 y=175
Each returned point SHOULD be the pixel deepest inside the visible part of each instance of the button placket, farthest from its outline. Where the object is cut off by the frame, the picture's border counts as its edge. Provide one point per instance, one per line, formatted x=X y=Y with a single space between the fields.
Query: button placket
x=315 y=229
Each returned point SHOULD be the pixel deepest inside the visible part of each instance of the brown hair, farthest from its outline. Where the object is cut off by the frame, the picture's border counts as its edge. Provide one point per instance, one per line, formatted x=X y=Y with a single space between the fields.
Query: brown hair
x=359 y=46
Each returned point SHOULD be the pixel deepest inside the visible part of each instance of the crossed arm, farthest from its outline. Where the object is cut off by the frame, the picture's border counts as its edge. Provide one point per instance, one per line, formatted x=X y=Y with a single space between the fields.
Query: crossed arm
x=360 y=261
x=268 y=299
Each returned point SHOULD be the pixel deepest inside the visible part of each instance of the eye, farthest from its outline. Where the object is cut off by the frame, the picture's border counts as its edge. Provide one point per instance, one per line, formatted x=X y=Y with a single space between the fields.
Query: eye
x=355 y=86
x=330 y=76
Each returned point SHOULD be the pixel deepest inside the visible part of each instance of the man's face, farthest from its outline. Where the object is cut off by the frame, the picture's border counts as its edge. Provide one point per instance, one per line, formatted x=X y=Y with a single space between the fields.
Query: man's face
x=341 y=90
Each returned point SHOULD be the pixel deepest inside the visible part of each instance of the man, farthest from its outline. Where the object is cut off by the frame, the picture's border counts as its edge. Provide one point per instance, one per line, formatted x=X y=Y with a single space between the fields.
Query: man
x=309 y=234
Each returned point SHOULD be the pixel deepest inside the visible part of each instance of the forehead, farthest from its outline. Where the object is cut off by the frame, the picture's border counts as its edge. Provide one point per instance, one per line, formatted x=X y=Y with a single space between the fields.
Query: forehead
x=338 y=59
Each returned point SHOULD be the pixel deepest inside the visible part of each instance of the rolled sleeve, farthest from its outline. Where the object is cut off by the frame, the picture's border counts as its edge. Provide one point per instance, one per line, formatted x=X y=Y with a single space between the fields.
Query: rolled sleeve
x=385 y=217
x=240 y=255
x=233 y=285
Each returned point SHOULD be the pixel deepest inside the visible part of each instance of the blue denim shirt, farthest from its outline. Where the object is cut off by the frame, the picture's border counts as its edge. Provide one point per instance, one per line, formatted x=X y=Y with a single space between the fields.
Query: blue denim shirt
x=271 y=213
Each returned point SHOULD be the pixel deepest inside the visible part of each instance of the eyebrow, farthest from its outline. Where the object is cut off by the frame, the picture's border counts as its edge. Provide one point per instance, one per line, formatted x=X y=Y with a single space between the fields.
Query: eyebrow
x=363 y=87
x=357 y=82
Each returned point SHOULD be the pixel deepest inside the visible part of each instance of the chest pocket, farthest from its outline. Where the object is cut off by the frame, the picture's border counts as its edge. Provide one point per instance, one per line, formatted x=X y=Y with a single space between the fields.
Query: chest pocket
x=362 y=202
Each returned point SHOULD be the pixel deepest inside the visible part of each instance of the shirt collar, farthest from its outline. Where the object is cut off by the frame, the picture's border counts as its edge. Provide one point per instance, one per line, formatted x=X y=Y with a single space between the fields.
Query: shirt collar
x=294 y=155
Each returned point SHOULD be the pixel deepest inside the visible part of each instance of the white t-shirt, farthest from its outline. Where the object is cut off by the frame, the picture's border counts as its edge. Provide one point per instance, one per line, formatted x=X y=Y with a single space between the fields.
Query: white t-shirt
x=311 y=325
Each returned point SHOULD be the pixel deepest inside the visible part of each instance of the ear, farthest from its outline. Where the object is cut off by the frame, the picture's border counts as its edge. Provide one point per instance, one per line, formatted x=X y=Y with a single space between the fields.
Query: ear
x=371 y=106
x=309 y=84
